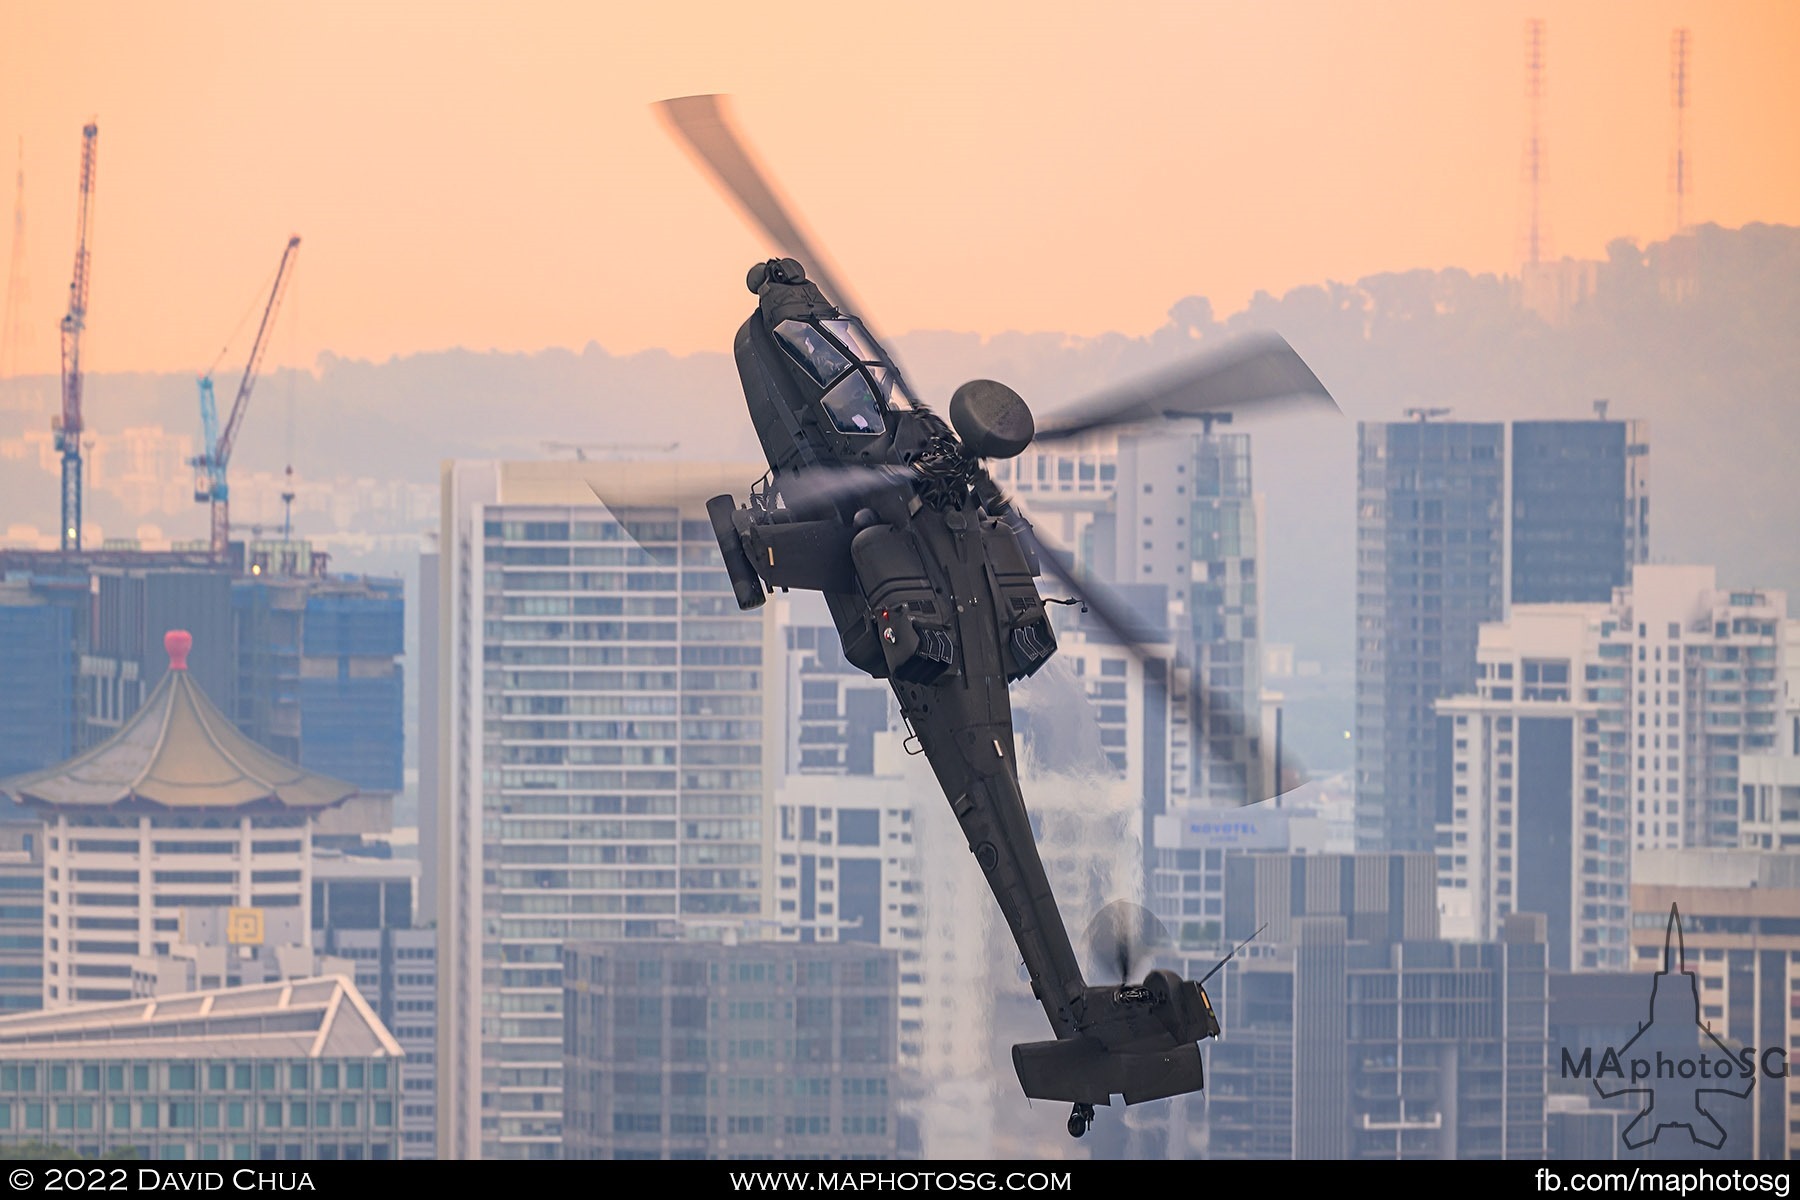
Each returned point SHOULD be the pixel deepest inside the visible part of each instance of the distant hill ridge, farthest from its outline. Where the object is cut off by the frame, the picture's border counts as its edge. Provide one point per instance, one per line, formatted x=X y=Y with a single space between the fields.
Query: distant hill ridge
x=1716 y=374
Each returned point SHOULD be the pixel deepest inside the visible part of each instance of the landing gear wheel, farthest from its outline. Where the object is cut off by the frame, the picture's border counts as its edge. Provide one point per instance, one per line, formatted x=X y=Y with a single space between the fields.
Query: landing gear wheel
x=1081 y=1120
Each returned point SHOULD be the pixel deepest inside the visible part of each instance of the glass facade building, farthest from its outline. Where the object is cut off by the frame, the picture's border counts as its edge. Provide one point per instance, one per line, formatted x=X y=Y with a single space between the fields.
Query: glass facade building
x=1580 y=508
x=1429 y=565
x=37 y=703
x=749 y=1051
x=319 y=678
x=1346 y=1049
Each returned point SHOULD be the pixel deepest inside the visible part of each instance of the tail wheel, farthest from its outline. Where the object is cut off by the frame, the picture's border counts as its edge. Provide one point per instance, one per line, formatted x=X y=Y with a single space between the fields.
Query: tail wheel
x=1081 y=1120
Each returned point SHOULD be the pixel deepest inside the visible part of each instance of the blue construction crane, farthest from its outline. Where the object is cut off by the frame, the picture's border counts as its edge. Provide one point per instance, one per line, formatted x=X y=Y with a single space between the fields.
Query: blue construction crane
x=209 y=474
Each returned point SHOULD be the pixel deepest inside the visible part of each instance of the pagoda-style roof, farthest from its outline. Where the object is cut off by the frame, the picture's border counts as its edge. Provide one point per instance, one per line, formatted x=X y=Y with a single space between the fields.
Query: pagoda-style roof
x=178 y=752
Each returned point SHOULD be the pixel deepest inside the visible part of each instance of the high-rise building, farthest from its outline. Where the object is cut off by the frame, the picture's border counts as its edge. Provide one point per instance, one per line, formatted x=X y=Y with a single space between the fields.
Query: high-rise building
x=177 y=810
x=319 y=676
x=1187 y=519
x=131 y=608
x=1769 y=777
x=602 y=766
x=1192 y=849
x=363 y=912
x=21 y=915
x=1770 y=819
x=430 y=692
x=1580 y=508
x=37 y=705
x=1656 y=721
x=1172 y=526
x=1354 y=1032
x=306 y=664
x=1174 y=522
x=1736 y=937
x=1429 y=551
x=1540 y=768
x=760 y=1049
x=847 y=863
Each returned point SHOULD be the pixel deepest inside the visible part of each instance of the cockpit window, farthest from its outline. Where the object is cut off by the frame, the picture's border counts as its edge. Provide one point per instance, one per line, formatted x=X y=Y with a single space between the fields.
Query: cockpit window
x=853 y=335
x=884 y=383
x=813 y=350
x=853 y=407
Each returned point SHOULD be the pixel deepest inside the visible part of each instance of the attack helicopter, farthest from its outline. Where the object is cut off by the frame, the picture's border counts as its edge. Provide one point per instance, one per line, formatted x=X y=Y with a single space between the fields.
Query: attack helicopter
x=930 y=573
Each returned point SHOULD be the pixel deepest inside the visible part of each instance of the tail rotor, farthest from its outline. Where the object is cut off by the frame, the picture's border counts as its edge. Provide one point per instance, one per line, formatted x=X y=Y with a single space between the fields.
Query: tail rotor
x=1121 y=937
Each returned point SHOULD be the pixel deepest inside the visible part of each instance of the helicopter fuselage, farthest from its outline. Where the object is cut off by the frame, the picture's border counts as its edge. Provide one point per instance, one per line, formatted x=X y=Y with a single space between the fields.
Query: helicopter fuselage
x=878 y=506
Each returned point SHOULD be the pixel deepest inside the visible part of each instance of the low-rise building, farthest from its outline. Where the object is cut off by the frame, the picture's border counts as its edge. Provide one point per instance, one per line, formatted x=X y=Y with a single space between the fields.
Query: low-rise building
x=279 y=1071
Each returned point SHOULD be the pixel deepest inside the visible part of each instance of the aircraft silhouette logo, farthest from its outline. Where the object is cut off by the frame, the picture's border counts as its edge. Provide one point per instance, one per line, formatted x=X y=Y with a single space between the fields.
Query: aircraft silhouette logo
x=1675 y=1100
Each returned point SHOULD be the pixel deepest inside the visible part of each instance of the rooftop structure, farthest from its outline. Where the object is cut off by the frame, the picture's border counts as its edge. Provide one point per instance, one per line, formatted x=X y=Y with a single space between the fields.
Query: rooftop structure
x=286 y=1070
x=314 y=1018
x=178 y=752
x=177 y=810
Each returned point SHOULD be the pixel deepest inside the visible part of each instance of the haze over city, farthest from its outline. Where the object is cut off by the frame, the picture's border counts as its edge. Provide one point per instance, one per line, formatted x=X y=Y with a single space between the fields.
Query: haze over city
x=552 y=844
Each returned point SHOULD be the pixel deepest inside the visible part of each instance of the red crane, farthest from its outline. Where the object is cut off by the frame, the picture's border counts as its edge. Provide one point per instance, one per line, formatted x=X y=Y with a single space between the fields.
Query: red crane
x=209 y=480
x=68 y=425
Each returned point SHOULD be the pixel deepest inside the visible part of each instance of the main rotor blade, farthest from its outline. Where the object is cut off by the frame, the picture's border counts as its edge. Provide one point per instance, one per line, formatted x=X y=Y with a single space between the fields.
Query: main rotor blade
x=1130 y=628
x=1219 y=728
x=810 y=490
x=703 y=123
x=1259 y=373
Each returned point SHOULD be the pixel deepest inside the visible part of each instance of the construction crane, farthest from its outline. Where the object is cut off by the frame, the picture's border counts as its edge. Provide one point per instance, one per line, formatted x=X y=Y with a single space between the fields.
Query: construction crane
x=209 y=474
x=67 y=424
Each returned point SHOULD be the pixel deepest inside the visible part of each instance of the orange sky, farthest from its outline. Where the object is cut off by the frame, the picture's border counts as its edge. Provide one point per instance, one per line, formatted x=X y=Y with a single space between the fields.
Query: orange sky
x=491 y=176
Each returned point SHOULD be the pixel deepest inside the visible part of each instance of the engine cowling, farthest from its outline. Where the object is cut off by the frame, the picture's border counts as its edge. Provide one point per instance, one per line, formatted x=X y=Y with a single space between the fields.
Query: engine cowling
x=915 y=637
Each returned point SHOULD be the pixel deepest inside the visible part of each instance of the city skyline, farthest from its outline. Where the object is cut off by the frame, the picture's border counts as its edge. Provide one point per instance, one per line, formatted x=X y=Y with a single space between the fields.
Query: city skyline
x=1194 y=863
x=596 y=862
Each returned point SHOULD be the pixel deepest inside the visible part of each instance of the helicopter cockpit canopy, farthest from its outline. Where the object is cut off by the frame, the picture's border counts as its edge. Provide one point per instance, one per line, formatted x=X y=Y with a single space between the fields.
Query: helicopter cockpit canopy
x=839 y=356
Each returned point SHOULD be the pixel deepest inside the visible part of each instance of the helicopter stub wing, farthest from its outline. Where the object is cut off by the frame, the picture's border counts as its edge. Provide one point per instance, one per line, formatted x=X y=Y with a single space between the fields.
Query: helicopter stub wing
x=1081 y=1071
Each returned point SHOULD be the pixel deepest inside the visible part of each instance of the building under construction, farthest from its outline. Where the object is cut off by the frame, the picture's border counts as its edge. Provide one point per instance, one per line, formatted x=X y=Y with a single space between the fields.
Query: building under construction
x=319 y=677
x=307 y=663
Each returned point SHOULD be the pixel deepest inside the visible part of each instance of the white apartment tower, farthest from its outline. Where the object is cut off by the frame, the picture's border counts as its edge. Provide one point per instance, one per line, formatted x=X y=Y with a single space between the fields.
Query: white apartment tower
x=846 y=842
x=1600 y=729
x=601 y=770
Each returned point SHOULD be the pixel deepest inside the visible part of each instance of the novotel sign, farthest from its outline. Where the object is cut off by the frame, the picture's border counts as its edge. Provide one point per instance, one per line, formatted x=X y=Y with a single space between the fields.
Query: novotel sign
x=1265 y=832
